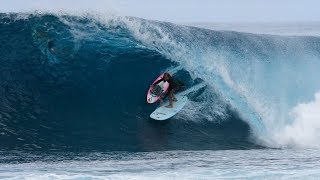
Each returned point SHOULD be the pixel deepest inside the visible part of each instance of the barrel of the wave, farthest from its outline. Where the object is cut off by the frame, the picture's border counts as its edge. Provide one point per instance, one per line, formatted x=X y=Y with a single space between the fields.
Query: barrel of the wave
x=155 y=91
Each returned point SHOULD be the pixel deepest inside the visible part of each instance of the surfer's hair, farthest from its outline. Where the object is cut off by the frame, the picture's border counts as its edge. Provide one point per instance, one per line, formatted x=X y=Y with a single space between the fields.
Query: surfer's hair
x=167 y=74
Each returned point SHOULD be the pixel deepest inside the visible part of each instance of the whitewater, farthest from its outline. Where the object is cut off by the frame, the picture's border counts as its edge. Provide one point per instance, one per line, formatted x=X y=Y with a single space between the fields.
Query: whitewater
x=65 y=113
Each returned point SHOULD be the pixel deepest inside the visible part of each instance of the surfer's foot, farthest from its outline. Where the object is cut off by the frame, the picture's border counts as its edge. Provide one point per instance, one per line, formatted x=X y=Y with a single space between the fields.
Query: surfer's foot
x=169 y=106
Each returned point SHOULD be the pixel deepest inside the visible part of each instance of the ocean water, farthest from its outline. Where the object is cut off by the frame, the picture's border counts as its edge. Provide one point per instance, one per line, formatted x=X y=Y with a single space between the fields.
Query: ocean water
x=230 y=164
x=73 y=100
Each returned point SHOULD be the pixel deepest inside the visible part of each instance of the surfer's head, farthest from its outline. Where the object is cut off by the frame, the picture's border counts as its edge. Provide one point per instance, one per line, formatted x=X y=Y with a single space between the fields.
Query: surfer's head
x=166 y=76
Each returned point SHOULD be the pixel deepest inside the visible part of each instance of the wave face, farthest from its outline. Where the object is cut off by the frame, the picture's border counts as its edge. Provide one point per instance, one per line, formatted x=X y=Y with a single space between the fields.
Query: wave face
x=79 y=83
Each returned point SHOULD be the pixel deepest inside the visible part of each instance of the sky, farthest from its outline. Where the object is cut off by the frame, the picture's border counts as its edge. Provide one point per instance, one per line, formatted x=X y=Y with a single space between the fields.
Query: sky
x=183 y=10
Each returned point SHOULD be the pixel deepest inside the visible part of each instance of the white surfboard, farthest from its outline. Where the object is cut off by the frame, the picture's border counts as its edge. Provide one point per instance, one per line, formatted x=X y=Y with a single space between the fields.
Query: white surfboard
x=164 y=113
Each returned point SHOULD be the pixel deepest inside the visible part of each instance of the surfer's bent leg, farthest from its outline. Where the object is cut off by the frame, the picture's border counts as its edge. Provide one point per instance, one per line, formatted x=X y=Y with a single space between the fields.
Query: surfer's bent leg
x=171 y=96
x=174 y=90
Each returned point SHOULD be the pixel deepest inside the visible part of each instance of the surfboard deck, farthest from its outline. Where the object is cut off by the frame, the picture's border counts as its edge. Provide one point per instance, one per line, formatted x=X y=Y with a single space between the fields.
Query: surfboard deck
x=163 y=113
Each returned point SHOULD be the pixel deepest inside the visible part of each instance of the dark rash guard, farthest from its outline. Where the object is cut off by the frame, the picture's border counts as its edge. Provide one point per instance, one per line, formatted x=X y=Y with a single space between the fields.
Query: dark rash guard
x=173 y=84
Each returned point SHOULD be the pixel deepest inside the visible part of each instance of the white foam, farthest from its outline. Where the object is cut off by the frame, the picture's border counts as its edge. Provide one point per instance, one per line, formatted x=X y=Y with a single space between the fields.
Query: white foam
x=304 y=131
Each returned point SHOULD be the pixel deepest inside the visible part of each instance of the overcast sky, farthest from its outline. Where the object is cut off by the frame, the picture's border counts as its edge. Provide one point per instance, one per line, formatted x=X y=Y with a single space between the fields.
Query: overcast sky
x=183 y=10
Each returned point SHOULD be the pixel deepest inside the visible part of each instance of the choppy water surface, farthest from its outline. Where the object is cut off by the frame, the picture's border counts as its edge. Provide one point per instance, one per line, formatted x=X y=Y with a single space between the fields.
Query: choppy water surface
x=237 y=164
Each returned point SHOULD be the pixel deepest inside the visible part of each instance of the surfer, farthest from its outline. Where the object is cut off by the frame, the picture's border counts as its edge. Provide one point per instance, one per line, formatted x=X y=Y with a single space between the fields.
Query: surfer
x=174 y=86
x=51 y=45
x=50 y=42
